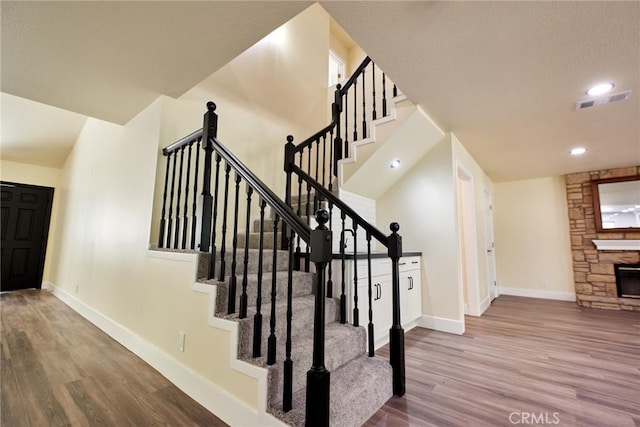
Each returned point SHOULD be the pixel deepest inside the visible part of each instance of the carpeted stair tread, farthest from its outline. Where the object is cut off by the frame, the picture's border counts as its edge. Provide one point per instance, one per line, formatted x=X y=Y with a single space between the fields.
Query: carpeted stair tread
x=342 y=343
x=358 y=389
x=282 y=261
x=302 y=285
x=302 y=309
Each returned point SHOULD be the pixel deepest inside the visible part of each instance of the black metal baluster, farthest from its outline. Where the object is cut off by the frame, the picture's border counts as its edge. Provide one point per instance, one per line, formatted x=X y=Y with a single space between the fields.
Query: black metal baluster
x=395 y=90
x=396 y=333
x=231 y=307
x=299 y=213
x=355 y=110
x=173 y=186
x=370 y=326
x=356 y=312
x=315 y=196
x=185 y=220
x=176 y=238
x=384 y=95
x=364 y=107
x=287 y=398
x=331 y=161
x=318 y=377
x=330 y=273
x=194 y=207
x=163 y=221
x=223 y=243
x=214 y=233
x=324 y=159
x=247 y=229
x=343 y=296
x=257 y=318
x=373 y=85
x=271 y=342
x=346 y=126
x=308 y=211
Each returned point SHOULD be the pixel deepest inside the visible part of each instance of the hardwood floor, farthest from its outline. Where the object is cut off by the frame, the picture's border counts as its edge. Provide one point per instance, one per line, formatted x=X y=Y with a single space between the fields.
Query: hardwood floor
x=60 y=370
x=524 y=362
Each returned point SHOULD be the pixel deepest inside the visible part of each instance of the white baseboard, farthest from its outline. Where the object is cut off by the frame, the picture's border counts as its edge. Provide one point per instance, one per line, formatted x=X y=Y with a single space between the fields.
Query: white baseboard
x=485 y=304
x=538 y=293
x=441 y=324
x=217 y=400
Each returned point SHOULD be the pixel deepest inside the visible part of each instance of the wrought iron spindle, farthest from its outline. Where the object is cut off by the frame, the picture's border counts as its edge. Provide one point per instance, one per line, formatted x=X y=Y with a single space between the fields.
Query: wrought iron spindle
x=346 y=126
x=373 y=85
x=271 y=342
x=355 y=110
x=231 y=307
x=223 y=243
x=330 y=275
x=331 y=161
x=185 y=220
x=194 y=207
x=324 y=159
x=384 y=95
x=315 y=196
x=299 y=213
x=356 y=312
x=173 y=186
x=370 y=326
x=287 y=398
x=395 y=90
x=163 y=221
x=247 y=229
x=364 y=106
x=176 y=239
x=214 y=233
x=308 y=213
x=343 y=296
x=257 y=318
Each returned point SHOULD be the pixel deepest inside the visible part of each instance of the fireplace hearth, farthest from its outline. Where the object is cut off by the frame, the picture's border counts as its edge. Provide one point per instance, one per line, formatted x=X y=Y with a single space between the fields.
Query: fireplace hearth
x=628 y=280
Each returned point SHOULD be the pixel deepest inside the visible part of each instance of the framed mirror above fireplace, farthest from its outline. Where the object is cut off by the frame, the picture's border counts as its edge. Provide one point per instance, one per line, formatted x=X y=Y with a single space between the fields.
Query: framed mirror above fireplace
x=616 y=203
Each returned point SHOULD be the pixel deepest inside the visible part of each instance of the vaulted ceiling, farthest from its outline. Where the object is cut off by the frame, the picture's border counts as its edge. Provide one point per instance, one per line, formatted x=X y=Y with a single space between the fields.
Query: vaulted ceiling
x=503 y=76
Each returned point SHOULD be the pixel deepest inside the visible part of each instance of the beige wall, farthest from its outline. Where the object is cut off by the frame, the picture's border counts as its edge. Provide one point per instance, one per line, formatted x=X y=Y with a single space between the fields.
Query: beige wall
x=37 y=175
x=532 y=235
x=101 y=256
x=423 y=203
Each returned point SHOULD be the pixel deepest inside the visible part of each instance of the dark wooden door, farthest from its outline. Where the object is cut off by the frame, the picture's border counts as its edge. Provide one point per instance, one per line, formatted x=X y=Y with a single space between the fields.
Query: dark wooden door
x=26 y=211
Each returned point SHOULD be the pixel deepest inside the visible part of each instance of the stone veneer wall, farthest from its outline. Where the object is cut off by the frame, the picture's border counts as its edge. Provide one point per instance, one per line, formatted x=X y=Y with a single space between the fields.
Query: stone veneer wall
x=593 y=270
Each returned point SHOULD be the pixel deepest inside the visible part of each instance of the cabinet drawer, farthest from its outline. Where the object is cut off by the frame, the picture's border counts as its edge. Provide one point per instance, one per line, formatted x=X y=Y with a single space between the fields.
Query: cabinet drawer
x=408 y=264
x=379 y=267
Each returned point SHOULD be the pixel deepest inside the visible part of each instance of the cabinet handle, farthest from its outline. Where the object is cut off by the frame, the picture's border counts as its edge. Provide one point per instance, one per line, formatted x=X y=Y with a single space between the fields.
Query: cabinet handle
x=410 y=282
x=414 y=262
x=402 y=263
x=378 y=291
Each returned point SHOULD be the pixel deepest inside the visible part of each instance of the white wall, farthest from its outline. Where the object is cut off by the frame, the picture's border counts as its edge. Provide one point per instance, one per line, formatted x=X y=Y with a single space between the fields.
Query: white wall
x=533 y=252
x=423 y=203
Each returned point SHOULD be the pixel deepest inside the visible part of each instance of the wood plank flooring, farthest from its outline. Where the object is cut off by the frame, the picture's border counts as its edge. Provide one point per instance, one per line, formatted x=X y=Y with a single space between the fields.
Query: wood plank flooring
x=57 y=369
x=524 y=362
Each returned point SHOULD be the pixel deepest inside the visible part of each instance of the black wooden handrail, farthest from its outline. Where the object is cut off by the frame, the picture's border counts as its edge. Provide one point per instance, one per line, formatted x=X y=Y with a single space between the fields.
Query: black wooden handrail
x=344 y=88
x=192 y=137
x=284 y=212
x=333 y=199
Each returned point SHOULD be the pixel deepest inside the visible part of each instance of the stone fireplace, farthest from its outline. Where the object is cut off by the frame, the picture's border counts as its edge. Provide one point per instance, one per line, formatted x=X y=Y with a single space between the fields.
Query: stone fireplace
x=594 y=267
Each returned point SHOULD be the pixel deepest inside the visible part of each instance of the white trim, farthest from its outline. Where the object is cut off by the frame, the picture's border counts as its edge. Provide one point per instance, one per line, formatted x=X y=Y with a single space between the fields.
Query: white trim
x=485 y=304
x=538 y=293
x=441 y=324
x=217 y=400
x=617 y=245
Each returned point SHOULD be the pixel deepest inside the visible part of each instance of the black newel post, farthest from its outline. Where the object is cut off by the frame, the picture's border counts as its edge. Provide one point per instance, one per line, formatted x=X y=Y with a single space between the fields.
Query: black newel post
x=396 y=333
x=209 y=130
x=318 y=377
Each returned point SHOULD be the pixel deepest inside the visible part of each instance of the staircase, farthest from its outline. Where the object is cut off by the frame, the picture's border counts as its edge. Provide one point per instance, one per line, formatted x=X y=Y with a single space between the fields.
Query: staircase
x=274 y=275
x=352 y=371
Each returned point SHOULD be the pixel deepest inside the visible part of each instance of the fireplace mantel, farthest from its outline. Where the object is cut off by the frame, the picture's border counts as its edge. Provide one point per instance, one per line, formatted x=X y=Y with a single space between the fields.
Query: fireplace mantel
x=617 y=245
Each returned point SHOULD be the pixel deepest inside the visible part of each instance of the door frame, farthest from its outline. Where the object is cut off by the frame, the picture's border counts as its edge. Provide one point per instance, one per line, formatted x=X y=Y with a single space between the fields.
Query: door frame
x=492 y=276
x=47 y=222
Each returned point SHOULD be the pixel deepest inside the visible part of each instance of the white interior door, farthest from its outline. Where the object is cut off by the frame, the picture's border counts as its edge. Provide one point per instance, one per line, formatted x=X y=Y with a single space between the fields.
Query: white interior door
x=491 y=259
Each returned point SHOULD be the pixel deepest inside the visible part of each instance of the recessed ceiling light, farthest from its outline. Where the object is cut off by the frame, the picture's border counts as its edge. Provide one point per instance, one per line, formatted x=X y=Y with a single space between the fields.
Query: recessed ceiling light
x=600 y=89
x=395 y=164
x=578 y=151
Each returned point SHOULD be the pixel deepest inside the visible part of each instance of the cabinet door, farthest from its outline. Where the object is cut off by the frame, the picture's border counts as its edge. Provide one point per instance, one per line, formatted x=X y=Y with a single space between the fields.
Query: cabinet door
x=381 y=305
x=410 y=296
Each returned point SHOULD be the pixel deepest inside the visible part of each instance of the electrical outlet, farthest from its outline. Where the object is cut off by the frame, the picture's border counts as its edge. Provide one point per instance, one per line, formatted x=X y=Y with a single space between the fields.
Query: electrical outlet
x=181 y=336
x=545 y=284
x=77 y=287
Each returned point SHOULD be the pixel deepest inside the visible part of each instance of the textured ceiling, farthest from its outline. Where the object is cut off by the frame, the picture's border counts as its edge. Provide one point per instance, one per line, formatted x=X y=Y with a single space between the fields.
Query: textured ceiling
x=503 y=76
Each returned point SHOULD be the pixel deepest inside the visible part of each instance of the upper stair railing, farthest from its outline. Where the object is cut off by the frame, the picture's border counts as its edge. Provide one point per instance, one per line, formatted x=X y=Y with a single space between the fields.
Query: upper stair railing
x=363 y=98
